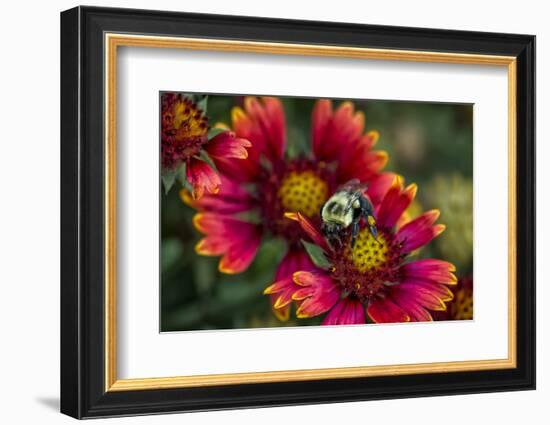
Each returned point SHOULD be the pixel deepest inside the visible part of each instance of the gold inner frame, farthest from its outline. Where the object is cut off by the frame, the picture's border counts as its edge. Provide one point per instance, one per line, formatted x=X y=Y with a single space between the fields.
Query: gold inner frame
x=113 y=41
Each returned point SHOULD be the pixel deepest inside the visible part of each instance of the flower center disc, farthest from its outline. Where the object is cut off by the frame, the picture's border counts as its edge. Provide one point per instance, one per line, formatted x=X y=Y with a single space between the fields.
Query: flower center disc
x=367 y=268
x=368 y=253
x=189 y=121
x=303 y=192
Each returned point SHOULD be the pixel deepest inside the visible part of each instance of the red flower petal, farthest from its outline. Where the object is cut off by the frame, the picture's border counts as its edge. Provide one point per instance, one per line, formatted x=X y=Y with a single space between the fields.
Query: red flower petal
x=370 y=139
x=245 y=127
x=231 y=198
x=345 y=312
x=283 y=313
x=202 y=177
x=238 y=170
x=319 y=293
x=379 y=186
x=227 y=145
x=429 y=270
x=277 y=126
x=322 y=112
x=360 y=161
x=335 y=136
x=281 y=291
x=347 y=124
x=363 y=165
x=420 y=231
x=383 y=310
x=395 y=202
x=426 y=297
x=235 y=239
x=265 y=126
x=295 y=260
x=440 y=291
x=416 y=312
x=310 y=229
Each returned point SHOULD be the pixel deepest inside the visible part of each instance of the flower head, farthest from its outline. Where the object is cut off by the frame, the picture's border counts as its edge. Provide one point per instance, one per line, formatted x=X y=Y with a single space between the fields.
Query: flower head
x=461 y=307
x=185 y=140
x=375 y=275
x=270 y=183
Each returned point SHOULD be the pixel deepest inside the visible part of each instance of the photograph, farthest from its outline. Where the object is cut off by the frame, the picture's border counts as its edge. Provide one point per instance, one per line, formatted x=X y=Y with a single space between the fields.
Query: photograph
x=262 y=211
x=292 y=211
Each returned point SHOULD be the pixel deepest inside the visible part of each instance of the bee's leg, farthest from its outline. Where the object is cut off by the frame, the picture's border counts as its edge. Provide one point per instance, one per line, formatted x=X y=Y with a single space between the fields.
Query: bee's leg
x=340 y=244
x=367 y=211
x=354 y=233
x=371 y=222
x=374 y=232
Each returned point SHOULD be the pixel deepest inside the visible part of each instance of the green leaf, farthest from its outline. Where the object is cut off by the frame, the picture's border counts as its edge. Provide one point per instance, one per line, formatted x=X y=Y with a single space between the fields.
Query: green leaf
x=206 y=158
x=168 y=179
x=317 y=255
x=189 y=96
x=214 y=131
x=201 y=102
x=182 y=177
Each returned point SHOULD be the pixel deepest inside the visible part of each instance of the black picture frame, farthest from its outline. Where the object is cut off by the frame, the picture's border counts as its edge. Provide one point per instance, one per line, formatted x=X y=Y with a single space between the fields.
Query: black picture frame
x=83 y=392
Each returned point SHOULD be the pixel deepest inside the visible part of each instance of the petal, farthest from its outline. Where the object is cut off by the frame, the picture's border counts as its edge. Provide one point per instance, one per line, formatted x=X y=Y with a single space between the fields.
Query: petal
x=423 y=296
x=360 y=161
x=312 y=278
x=335 y=135
x=202 y=177
x=384 y=310
x=277 y=126
x=227 y=145
x=395 y=202
x=440 y=291
x=282 y=291
x=267 y=125
x=364 y=166
x=322 y=111
x=239 y=256
x=239 y=170
x=283 y=313
x=295 y=259
x=416 y=312
x=347 y=125
x=429 y=270
x=345 y=312
x=319 y=293
x=232 y=198
x=237 y=240
x=420 y=231
x=371 y=138
x=245 y=128
x=310 y=229
x=379 y=186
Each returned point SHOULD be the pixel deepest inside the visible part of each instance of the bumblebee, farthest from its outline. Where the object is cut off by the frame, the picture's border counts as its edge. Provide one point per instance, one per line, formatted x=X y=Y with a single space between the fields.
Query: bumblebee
x=343 y=212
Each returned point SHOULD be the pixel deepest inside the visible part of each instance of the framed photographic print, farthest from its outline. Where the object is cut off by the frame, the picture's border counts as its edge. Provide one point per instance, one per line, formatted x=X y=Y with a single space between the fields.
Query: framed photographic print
x=261 y=212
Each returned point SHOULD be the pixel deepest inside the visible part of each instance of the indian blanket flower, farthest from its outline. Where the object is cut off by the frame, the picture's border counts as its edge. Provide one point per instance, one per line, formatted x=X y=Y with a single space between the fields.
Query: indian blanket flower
x=461 y=307
x=375 y=277
x=185 y=140
x=256 y=193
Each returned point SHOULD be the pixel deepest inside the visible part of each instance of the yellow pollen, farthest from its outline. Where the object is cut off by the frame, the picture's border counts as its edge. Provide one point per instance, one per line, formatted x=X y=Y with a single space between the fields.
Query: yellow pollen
x=189 y=120
x=368 y=253
x=303 y=192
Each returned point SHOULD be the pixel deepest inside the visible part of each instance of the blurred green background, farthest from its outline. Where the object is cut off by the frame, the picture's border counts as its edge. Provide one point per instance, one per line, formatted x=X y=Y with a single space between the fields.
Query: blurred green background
x=430 y=144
